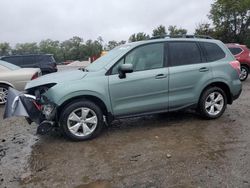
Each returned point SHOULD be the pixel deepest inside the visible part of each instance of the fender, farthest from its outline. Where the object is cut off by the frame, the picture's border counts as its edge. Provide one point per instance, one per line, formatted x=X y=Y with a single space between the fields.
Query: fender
x=84 y=93
x=211 y=81
x=7 y=83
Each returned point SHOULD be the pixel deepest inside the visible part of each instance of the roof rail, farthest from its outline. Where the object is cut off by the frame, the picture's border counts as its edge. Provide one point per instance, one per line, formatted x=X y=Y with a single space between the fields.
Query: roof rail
x=182 y=36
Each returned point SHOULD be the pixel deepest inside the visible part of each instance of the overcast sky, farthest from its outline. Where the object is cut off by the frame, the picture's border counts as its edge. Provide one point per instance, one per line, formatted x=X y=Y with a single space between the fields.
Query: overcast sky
x=34 y=20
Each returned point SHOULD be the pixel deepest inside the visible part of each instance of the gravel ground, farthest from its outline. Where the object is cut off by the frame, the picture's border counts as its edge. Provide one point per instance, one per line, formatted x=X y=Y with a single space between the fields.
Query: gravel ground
x=167 y=150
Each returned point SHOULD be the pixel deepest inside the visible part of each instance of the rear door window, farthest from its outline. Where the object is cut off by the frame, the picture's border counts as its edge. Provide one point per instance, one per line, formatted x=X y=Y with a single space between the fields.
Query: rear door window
x=235 y=51
x=212 y=51
x=29 y=60
x=184 y=53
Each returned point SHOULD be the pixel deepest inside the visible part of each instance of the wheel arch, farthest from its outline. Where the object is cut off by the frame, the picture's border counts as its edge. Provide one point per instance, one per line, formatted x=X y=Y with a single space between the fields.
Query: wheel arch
x=99 y=102
x=245 y=65
x=7 y=84
x=221 y=85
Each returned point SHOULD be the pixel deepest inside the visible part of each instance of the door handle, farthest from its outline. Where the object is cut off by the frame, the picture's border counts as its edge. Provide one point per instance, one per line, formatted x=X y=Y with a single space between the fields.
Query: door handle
x=203 y=69
x=161 y=76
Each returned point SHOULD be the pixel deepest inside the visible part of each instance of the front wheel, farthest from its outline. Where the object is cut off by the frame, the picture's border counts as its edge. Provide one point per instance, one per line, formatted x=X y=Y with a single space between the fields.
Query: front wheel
x=3 y=94
x=213 y=103
x=82 y=120
x=244 y=73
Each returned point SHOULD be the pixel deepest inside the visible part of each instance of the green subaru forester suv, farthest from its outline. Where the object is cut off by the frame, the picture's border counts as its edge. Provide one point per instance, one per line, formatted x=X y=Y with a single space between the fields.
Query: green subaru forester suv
x=135 y=79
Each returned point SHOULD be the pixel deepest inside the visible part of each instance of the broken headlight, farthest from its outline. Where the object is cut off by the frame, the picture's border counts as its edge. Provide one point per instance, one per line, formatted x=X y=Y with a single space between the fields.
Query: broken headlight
x=39 y=90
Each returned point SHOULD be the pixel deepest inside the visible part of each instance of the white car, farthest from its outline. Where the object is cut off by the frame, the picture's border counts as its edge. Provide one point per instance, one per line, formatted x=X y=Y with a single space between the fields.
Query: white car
x=15 y=77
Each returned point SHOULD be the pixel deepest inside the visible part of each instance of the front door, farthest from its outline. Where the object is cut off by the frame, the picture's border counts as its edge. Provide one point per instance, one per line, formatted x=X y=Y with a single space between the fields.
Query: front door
x=145 y=89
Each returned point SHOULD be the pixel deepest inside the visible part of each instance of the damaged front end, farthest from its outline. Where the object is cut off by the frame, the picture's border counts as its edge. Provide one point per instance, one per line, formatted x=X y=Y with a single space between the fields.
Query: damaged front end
x=34 y=106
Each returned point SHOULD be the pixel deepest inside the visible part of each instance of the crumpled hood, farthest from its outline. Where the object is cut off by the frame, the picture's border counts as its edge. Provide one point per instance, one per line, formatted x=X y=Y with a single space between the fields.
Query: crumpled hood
x=58 y=77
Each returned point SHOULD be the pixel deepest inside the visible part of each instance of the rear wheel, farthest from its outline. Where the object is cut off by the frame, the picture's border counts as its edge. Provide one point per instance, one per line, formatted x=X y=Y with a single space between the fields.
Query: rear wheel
x=3 y=94
x=244 y=73
x=82 y=120
x=212 y=103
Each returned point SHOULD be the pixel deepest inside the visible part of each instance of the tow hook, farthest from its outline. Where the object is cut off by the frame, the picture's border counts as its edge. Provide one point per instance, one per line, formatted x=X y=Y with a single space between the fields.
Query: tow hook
x=45 y=127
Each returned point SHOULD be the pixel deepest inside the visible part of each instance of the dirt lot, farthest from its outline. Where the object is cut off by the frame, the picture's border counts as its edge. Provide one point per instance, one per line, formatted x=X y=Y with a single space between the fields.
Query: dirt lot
x=170 y=150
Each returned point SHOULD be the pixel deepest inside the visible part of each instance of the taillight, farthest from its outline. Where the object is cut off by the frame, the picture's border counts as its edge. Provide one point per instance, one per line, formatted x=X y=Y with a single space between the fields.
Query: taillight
x=34 y=76
x=54 y=65
x=236 y=66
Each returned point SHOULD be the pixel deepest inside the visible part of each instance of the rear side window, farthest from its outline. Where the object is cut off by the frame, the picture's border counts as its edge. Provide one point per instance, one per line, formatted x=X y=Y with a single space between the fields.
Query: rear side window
x=51 y=59
x=184 y=53
x=213 y=51
x=45 y=59
x=235 y=51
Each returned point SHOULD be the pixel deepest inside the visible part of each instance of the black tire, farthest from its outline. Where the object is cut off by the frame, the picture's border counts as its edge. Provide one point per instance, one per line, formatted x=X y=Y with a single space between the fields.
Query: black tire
x=74 y=106
x=5 y=87
x=246 y=71
x=204 y=97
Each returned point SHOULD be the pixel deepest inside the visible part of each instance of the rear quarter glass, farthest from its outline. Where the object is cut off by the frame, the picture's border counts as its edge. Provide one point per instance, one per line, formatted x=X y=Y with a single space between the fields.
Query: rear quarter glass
x=229 y=55
x=215 y=51
x=45 y=59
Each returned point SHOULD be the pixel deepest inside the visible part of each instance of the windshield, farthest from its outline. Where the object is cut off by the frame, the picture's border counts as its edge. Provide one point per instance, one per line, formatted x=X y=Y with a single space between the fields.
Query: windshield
x=9 y=65
x=104 y=60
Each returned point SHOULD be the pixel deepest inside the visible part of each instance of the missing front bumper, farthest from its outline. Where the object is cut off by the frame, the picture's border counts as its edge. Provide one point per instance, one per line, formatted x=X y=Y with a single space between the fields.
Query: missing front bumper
x=20 y=104
x=24 y=105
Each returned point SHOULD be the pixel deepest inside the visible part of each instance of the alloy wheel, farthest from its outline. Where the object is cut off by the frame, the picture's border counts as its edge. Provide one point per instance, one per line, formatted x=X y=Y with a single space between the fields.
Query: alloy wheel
x=243 y=73
x=3 y=95
x=82 y=122
x=214 y=103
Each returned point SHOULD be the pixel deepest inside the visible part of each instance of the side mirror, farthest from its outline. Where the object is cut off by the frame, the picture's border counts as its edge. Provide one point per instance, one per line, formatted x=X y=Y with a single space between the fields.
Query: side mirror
x=123 y=69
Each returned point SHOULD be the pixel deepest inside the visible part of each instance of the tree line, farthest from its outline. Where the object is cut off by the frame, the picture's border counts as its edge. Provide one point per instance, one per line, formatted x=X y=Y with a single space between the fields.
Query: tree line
x=229 y=21
x=72 y=49
x=75 y=48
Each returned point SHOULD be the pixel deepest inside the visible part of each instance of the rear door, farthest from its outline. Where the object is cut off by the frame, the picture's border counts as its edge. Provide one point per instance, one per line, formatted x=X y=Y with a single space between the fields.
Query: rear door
x=188 y=72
